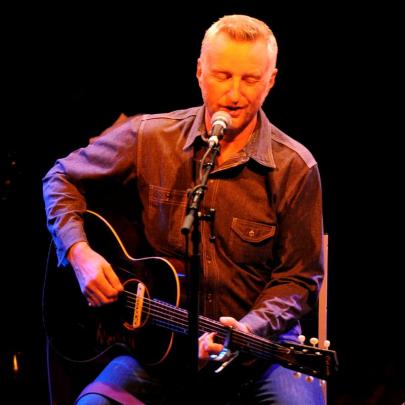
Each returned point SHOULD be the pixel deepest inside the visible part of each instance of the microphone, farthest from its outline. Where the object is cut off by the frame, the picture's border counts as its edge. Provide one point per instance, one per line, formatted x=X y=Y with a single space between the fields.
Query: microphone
x=219 y=122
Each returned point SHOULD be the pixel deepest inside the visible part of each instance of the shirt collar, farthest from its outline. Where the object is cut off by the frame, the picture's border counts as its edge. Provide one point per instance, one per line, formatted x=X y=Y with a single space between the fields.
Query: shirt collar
x=197 y=129
x=259 y=146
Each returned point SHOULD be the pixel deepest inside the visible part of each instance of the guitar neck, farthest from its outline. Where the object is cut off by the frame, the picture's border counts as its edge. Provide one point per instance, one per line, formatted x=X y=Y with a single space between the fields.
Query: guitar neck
x=313 y=361
x=177 y=320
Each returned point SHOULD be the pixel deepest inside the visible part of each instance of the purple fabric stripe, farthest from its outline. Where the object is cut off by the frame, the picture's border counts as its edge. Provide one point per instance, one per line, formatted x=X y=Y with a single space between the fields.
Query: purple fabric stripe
x=110 y=391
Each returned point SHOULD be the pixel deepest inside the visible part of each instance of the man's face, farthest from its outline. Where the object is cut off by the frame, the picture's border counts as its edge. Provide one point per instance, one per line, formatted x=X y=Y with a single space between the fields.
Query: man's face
x=235 y=76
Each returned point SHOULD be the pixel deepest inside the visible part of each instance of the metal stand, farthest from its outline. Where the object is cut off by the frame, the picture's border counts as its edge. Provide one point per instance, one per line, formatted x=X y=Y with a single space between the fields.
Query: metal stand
x=193 y=264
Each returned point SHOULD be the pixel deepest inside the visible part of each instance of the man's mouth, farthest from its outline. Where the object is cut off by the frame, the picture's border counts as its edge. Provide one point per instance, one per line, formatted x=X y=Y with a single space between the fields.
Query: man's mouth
x=234 y=111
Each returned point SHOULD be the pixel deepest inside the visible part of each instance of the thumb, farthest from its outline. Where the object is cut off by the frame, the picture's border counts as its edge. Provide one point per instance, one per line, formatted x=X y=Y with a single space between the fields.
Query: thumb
x=233 y=323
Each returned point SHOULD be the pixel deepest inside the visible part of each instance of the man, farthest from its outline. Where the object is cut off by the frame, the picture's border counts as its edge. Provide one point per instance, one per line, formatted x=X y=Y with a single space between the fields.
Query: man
x=262 y=270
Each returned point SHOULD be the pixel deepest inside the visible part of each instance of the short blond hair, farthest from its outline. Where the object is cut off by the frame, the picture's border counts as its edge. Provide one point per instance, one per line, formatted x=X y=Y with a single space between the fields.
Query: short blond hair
x=242 y=28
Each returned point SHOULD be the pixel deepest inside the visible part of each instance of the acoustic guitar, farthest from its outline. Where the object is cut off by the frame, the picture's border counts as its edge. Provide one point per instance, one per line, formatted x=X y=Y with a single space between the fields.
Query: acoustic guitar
x=146 y=318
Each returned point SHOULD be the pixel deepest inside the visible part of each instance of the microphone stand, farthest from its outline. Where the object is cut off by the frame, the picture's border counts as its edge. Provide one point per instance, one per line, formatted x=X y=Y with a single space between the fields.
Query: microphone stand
x=193 y=265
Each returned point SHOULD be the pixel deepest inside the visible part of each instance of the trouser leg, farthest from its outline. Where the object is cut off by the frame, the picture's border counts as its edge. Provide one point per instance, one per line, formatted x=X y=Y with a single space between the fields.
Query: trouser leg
x=278 y=386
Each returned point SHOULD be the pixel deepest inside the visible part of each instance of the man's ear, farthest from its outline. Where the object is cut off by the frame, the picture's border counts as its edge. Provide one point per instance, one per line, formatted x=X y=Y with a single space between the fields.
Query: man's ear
x=199 y=69
x=272 y=79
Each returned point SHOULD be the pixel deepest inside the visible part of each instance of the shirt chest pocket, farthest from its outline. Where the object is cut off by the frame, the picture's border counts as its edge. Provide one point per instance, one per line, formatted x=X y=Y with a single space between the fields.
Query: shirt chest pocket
x=166 y=209
x=251 y=242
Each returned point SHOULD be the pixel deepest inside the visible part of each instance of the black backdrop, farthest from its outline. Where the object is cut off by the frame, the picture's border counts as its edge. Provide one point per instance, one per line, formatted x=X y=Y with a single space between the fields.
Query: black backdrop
x=69 y=72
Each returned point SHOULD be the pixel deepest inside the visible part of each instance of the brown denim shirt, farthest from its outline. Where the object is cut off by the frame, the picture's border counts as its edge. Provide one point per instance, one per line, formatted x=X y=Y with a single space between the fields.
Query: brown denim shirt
x=265 y=264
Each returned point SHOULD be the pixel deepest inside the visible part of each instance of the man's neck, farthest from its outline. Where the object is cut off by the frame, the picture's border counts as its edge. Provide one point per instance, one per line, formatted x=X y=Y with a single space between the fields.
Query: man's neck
x=232 y=144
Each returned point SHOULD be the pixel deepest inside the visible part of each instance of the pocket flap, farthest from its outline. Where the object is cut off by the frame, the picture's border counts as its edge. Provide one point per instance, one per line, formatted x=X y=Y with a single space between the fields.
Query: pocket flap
x=253 y=232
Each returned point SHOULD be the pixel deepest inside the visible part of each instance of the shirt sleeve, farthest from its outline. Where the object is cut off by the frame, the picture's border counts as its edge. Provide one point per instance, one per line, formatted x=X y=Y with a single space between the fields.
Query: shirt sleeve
x=110 y=157
x=297 y=276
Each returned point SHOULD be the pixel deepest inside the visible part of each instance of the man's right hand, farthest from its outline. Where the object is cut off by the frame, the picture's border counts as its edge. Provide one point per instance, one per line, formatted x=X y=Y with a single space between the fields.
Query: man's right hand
x=97 y=280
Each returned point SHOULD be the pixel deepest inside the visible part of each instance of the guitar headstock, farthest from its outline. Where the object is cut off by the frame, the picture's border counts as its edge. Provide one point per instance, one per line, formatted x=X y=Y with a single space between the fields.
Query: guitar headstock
x=310 y=359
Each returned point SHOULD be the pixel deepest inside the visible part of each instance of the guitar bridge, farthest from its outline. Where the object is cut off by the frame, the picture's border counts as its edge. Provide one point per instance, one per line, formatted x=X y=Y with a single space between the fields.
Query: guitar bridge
x=140 y=295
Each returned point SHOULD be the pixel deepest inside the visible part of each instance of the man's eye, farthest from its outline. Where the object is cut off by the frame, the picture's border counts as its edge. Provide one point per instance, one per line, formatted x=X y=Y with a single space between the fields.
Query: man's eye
x=221 y=76
x=251 y=80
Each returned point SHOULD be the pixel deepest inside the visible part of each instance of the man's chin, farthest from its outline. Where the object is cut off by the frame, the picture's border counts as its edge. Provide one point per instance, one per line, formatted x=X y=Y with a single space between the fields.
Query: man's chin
x=231 y=133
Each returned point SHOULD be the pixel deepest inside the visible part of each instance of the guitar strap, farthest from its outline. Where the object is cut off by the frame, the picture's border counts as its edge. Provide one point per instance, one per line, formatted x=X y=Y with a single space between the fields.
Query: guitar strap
x=110 y=391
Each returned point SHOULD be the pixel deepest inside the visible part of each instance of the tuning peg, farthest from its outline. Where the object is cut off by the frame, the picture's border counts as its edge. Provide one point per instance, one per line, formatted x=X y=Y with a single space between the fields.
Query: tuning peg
x=309 y=378
x=301 y=339
x=314 y=341
x=326 y=344
x=297 y=374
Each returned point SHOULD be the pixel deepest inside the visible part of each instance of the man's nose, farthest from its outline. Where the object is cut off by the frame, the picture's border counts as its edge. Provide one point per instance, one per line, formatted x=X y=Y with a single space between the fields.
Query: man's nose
x=234 y=91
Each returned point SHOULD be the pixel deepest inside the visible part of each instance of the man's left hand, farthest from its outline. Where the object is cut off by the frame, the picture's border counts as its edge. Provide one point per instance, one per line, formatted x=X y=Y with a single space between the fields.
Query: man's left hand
x=208 y=346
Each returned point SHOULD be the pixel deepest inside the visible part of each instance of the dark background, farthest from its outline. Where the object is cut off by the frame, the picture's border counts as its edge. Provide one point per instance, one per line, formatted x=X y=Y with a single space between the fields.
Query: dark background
x=69 y=72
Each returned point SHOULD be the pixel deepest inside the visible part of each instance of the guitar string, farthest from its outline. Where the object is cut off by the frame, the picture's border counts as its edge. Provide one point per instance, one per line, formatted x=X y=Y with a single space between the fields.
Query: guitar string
x=180 y=318
x=175 y=312
x=183 y=326
x=264 y=350
x=261 y=349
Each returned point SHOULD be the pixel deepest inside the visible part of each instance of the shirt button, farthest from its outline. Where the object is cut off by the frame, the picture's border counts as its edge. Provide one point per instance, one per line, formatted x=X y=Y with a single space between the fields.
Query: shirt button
x=251 y=233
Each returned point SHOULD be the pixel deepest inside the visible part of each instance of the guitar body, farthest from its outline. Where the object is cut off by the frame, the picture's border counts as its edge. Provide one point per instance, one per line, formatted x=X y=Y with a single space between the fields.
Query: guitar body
x=81 y=333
